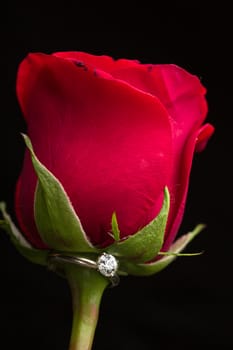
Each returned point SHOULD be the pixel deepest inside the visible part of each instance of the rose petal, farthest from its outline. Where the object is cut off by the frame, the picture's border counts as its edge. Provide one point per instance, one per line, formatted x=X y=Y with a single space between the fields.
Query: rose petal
x=24 y=198
x=102 y=62
x=203 y=136
x=108 y=143
x=184 y=97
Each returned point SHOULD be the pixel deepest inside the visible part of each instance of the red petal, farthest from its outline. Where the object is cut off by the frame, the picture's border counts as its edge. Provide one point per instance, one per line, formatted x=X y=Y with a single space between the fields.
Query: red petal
x=108 y=143
x=203 y=136
x=184 y=97
x=102 y=62
x=24 y=209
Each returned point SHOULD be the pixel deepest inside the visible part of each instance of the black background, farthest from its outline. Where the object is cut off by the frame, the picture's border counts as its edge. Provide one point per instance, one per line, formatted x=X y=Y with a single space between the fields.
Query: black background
x=189 y=304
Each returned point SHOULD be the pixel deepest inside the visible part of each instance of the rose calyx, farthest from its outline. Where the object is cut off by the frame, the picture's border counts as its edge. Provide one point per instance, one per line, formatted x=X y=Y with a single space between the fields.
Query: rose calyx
x=60 y=228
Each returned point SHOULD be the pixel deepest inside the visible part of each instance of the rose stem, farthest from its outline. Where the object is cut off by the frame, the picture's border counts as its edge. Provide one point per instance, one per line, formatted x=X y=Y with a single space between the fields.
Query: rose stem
x=87 y=287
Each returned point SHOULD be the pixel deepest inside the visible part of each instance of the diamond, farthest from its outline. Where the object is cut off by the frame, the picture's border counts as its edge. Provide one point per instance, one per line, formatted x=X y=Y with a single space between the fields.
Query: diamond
x=107 y=265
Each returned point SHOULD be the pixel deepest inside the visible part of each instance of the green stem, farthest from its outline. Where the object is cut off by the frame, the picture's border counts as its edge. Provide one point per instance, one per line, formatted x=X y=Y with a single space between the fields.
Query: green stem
x=87 y=287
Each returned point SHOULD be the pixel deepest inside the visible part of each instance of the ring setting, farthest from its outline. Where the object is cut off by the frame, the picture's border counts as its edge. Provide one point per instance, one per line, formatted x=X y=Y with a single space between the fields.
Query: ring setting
x=106 y=264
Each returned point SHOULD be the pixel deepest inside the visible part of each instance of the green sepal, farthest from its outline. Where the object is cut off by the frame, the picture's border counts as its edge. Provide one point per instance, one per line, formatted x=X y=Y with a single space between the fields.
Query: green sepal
x=58 y=224
x=158 y=265
x=115 y=227
x=24 y=248
x=180 y=254
x=146 y=243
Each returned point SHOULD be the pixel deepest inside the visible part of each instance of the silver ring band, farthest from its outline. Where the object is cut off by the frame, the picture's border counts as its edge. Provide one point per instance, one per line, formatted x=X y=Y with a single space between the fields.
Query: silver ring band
x=106 y=264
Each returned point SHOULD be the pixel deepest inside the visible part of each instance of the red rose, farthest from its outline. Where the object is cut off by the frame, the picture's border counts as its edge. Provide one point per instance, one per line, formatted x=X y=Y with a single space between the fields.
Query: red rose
x=114 y=133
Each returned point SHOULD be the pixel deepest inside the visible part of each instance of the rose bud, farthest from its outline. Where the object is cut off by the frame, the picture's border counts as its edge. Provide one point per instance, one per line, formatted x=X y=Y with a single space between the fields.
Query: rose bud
x=108 y=161
x=105 y=176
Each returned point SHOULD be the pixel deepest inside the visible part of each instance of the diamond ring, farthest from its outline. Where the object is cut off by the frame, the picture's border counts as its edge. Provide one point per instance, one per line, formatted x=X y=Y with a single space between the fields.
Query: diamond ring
x=106 y=264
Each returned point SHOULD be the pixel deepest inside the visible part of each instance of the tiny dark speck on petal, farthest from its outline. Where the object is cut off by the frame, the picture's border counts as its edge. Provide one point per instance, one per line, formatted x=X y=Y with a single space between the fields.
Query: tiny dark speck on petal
x=80 y=64
x=149 y=68
x=95 y=73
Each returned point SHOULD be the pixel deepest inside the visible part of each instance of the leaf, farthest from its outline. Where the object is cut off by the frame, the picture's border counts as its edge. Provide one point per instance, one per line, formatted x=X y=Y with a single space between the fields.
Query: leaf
x=146 y=243
x=115 y=228
x=157 y=266
x=56 y=220
x=34 y=255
